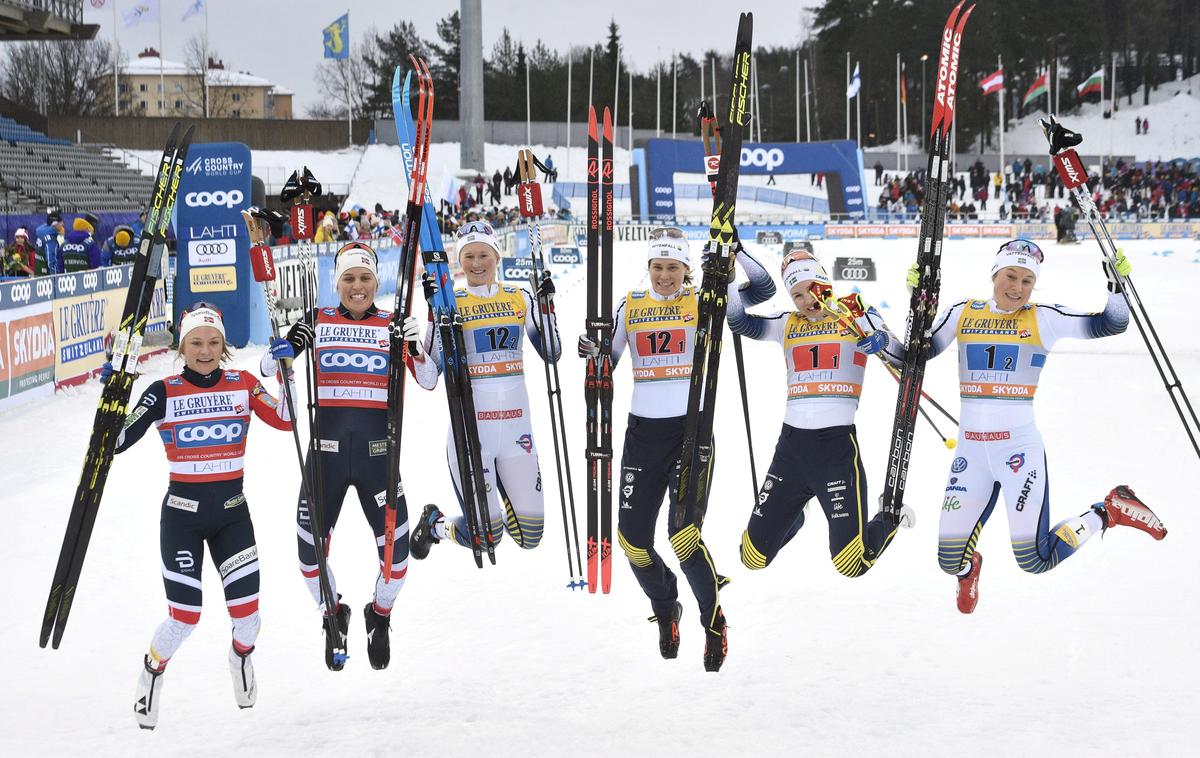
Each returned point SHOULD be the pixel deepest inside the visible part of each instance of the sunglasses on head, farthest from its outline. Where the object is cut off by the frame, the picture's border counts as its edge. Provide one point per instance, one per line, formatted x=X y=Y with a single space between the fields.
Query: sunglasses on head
x=359 y=247
x=672 y=232
x=1025 y=247
x=475 y=227
x=199 y=304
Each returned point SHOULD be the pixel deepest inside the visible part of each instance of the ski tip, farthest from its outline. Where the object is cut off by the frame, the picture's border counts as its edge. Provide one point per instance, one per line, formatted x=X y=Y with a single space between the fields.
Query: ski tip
x=607 y=123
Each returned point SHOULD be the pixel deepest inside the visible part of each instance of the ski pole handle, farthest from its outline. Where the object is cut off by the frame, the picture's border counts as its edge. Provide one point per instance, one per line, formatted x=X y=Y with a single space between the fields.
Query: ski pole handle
x=302 y=222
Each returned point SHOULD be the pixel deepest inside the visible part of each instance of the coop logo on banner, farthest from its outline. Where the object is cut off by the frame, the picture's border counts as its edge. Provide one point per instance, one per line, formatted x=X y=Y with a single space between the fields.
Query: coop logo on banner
x=209 y=226
x=516 y=269
x=569 y=255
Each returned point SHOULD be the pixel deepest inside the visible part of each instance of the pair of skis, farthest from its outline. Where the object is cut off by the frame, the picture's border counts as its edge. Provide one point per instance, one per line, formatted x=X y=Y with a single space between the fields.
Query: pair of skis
x=114 y=400
x=710 y=133
x=463 y=425
x=696 y=455
x=418 y=172
x=529 y=202
x=299 y=189
x=924 y=301
x=598 y=384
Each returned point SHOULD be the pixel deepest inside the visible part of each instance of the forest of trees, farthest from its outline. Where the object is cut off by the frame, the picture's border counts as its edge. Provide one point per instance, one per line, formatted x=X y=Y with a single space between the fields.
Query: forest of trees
x=1153 y=42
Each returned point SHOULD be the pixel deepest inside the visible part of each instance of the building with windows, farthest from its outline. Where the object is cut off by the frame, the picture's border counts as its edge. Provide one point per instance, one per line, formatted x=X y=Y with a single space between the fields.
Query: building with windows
x=153 y=86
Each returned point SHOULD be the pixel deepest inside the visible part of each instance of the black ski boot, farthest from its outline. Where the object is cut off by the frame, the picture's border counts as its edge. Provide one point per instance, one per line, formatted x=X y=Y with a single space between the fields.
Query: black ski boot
x=716 y=643
x=423 y=534
x=337 y=661
x=668 y=632
x=379 y=644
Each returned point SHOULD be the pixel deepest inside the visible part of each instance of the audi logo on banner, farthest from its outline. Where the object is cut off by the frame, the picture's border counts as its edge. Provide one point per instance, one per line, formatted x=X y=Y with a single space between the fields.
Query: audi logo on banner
x=230 y=199
x=212 y=252
x=854 y=269
x=202 y=434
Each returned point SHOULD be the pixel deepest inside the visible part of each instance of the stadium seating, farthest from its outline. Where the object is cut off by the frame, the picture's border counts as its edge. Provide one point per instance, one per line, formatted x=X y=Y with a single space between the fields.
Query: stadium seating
x=38 y=171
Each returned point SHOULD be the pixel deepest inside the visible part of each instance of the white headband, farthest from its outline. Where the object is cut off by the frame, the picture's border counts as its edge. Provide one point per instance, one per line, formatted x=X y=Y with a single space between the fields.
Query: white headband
x=674 y=248
x=480 y=237
x=1006 y=258
x=804 y=270
x=354 y=259
x=200 y=317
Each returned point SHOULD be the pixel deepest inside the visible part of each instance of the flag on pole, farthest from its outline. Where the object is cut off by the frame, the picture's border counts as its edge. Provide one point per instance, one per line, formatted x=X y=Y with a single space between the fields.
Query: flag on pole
x=337 y=38
x=992 y=82
x=195 y=8
x=903 y=84
x=1094 y=83
x=855 y=83
x=1040 y=86
x=143 y=11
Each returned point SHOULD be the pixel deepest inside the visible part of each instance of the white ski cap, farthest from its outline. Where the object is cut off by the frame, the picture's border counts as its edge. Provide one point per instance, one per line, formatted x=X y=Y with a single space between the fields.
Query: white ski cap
x=674 y=248
x=355 y=255
x=478 y=231
x=804 y=270
x=1020 y=253
x=202 y=314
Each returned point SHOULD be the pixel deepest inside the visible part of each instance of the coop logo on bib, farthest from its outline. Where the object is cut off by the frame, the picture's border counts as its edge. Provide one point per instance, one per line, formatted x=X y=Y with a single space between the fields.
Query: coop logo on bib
x=353 y=362
x=209 y=433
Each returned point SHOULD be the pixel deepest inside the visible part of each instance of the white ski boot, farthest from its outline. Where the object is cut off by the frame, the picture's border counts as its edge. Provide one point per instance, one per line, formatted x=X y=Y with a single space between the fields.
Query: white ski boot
x=149 y=695
x=245 y=687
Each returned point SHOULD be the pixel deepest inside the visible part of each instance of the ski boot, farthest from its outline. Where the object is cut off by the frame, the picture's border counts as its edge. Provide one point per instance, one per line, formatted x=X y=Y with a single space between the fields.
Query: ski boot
x=337 y=661
x=379 y=645
x=1123 y=508
x=424 y=534
x=245 y=687
x=149 y=695
x=716 y=643
x=967 y=594
x=668 y=631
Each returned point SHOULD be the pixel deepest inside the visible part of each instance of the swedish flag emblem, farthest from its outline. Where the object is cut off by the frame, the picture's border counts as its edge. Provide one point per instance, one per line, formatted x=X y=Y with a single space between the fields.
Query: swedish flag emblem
x=337 y=38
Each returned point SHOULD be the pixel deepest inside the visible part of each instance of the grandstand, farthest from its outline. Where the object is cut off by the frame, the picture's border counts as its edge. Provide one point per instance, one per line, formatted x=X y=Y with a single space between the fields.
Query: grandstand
x=37 y=171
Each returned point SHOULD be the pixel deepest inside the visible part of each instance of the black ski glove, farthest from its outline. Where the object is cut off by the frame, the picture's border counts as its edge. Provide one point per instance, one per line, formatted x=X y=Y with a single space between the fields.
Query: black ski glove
x=300 y=336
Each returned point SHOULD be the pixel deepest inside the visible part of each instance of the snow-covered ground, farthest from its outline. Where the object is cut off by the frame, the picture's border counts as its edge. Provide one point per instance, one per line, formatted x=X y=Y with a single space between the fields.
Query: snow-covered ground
x=1096 y=657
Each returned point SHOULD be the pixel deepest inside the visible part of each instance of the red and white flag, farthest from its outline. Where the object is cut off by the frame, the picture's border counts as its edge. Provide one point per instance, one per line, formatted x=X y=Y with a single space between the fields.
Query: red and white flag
x=992 y=82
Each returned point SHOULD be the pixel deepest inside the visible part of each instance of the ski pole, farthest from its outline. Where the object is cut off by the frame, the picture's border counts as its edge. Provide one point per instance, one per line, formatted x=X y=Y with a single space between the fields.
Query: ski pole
x=262 y=264
x=1074 y=176
x=529 y=202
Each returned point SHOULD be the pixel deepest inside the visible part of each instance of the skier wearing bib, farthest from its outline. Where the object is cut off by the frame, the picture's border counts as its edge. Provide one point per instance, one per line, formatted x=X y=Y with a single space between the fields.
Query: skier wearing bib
x=1003 y=343
x=203 y=416
x=818 y=454
x=352 y=345
x=496 y=318
x=658 y=327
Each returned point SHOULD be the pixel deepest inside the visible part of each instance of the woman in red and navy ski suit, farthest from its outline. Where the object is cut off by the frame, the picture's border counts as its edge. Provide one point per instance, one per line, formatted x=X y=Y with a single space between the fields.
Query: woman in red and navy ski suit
x=203 y=415
x=352 y=345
